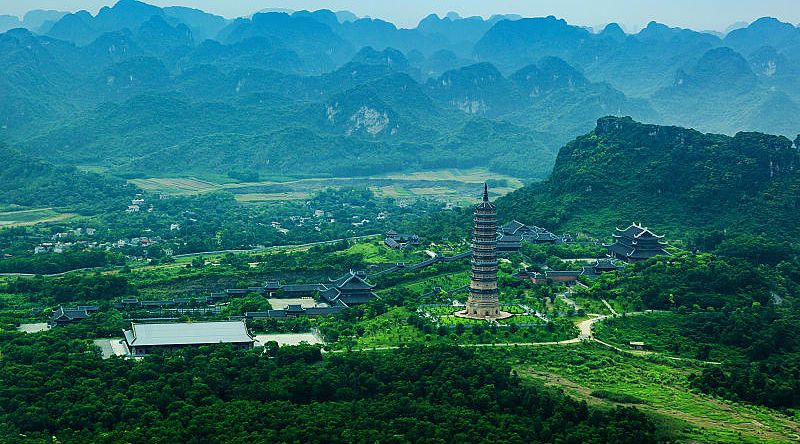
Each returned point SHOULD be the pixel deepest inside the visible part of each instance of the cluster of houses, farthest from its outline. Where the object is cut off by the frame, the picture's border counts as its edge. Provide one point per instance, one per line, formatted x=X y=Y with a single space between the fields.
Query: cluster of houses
x=66 y=240
x=62 y=246
x=137 y=203
x=322 y=217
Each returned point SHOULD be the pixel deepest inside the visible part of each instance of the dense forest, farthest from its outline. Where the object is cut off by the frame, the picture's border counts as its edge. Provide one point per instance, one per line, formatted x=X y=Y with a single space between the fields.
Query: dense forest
x=700 y=188
x=32 y=182
x=219 y=395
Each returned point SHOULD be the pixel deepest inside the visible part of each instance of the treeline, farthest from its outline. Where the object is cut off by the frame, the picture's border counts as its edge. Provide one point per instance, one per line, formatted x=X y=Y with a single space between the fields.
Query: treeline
x=79 y=288
x=216 y=394
x=691 y=281
x=32 y=182
x=59 y=263
x=769 y=339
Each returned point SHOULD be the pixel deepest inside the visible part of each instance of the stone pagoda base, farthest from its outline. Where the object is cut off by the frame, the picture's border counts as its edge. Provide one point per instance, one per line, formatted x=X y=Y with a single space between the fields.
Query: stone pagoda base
x=502 y=315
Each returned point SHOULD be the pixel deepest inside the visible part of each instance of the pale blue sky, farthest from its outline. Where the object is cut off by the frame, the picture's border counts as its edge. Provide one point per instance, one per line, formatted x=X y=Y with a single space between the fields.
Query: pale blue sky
x=633 y=14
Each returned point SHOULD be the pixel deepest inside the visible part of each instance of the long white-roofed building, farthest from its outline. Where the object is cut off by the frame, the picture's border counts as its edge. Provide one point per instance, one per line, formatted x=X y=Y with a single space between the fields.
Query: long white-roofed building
x=145 y=338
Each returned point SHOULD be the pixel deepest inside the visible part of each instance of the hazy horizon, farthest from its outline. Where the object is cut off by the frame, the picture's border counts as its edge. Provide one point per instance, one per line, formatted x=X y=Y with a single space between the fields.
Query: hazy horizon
x=700 y=15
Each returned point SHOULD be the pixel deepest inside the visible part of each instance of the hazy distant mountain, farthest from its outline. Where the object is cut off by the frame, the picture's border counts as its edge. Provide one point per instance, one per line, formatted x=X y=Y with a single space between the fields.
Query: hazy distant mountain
x=40 y=20
x=765 y=31
x=9 y=22
x=102 y=89
x=550 y=96
x=81 y=28
x=511 y=45
x=37 y=20
x=721 y=93
x=321 y=49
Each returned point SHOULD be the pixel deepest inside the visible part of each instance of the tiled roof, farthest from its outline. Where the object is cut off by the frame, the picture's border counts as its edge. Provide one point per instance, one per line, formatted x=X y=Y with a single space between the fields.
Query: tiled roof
x=187 y=333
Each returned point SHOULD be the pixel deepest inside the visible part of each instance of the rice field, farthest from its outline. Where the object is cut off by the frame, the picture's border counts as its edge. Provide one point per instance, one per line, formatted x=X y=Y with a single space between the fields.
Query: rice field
x=31 y=217
x=176 y=186
x=458 y=187
x=269 y=197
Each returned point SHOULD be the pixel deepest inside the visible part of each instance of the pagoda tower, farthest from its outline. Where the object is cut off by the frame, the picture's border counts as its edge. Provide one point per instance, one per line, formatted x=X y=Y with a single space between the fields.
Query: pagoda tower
x=483 y=302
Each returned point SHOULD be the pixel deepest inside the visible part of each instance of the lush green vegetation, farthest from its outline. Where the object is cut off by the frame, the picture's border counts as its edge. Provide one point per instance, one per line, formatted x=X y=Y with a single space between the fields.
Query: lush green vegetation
x=226 y=123
x=31 y=182
x=663 y=388
x=723 y=309
x=699 y=189
x=420 y=394
x=58 y=263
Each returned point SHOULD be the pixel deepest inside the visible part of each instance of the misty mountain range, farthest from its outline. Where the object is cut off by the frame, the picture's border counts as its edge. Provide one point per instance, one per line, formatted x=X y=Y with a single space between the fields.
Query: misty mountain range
x=146 y=90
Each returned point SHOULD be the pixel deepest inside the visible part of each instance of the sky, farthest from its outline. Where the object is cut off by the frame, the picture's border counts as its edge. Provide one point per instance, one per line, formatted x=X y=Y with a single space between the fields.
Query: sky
x=632 y=14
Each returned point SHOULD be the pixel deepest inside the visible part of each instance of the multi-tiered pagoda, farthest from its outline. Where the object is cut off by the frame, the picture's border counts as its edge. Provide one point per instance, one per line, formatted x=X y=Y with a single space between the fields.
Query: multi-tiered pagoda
x=636 y=243
x=483 y=302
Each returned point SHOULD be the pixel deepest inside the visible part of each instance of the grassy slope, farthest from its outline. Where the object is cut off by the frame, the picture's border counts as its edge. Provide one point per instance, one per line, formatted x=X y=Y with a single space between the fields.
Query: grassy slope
x=664 y=388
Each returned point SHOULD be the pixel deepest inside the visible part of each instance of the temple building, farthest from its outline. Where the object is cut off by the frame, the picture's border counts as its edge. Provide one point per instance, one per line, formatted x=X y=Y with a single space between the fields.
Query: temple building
x=350 y=289
x=399 y=241
x=484 y=302
x=64 y=316
x=143 y=339
x=636 y=243
x=511 y=235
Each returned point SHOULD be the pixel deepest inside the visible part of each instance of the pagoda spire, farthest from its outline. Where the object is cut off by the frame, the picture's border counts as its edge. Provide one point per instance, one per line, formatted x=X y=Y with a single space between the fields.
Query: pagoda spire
x=485 y=192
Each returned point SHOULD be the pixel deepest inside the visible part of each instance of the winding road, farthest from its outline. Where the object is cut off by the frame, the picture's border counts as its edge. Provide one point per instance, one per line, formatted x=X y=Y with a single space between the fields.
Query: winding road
x=584 y=327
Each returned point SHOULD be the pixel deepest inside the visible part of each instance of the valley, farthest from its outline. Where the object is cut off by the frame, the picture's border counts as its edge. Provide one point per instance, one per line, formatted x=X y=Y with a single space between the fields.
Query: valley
x=447 y=185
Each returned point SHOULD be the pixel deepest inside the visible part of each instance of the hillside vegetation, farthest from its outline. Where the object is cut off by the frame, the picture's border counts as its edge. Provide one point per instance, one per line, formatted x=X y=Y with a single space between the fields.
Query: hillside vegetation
x=674 y=179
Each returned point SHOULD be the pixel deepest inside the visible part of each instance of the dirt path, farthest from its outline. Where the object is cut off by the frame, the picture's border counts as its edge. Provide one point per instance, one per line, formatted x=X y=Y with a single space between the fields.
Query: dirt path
x=609 y=307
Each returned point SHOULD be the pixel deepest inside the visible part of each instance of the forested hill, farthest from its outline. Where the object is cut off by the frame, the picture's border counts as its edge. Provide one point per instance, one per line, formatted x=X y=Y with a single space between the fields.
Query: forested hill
x=32 y=182
x=678 y=180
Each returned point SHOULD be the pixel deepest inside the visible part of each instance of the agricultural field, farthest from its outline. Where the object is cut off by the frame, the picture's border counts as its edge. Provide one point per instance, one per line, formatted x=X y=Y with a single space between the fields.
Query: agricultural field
x=472 y=175
x=21 y=218
x=271 y=197
x=458 y=187
x=176 y=186
x=657 y=386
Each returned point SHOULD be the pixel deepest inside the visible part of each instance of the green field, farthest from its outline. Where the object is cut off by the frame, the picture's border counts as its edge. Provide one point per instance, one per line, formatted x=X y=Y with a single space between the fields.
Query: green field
x=447 y=185
x=176 y=186
x=31 y=217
